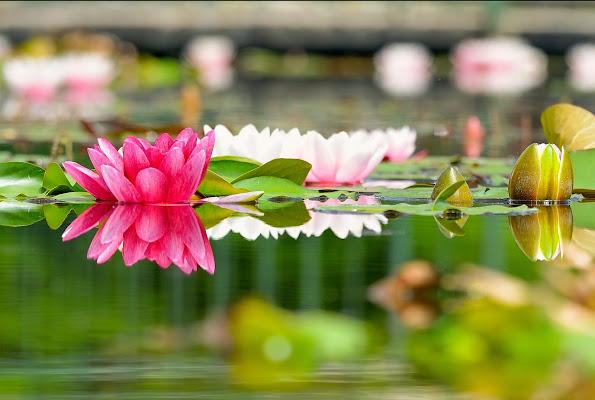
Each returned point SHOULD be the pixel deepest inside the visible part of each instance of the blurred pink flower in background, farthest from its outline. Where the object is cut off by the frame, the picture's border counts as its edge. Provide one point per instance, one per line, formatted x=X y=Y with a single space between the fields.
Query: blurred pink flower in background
x=499 y=65
x=403 y=68
x=473 y=137
x=169 y=171
x=35 y=79
x=164 y=234
x=87 y=71
x=212 y=57
x=581 y=66
x=401 y=142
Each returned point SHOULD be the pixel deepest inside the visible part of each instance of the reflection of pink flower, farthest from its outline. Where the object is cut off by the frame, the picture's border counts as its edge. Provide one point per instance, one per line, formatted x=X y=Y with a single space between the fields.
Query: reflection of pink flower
x=403 y=68
x=164 y=234
x=498 y=65
x=212 y=56
x=168 y=171
x=87 y=71
x=581 y=66
x=36 y=79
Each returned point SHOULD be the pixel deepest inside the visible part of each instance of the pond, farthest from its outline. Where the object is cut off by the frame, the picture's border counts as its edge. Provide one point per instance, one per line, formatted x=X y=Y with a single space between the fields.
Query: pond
x=301 y=301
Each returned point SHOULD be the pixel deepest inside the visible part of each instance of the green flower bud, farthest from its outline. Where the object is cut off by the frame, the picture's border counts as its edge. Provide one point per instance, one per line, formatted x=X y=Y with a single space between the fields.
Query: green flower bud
x=543 y=235
x=542 y=172
x=462 y=197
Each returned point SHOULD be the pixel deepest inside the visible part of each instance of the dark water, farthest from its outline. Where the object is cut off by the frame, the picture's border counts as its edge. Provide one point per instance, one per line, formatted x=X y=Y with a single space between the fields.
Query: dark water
x=295 y=316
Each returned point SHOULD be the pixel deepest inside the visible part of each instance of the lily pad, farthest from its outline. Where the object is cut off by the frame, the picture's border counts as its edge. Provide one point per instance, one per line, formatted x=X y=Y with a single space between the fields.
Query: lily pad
x=21 y=178
x=20 y=213
x=570 y=126
x=583 y=165
x=215 y=185
x=274 y=186
x=230 y=167
x=291 y=169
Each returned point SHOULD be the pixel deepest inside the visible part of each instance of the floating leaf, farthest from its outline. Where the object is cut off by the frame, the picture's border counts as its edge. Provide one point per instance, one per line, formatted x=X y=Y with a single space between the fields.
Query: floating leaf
x=451 y=227
x=583 y=165
x=289 y=214
x=230 y=167
x=215 y=185
x=20 y=178
x=19 y=213
x=210 y=215
x=274 y=186
x=56 y=181
x=75 y=197
x=287 y=168
x=55 y=214
x=570 y=126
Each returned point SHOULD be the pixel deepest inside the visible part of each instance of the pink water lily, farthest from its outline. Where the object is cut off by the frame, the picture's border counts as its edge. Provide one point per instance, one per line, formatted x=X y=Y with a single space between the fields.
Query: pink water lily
x=169 y=171
x=164 y=234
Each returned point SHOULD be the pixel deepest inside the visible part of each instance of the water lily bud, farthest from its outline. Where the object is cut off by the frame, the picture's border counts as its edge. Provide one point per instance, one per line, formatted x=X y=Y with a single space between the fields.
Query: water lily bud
x=543 y=236
x=542 y=172
x=448 y=177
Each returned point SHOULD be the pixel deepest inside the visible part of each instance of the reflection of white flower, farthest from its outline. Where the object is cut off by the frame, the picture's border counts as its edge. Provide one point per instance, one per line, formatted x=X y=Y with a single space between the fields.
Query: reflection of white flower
x=212 y=56
x=33 y=78
x=342 y=225
x=581 y=66
x=87 y=71
x=403 y=68
x=401 y=142
x=499 y=65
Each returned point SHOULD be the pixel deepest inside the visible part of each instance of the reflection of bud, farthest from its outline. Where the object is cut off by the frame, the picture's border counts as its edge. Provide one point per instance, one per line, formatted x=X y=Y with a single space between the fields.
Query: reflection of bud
x=543 y=235
x=449 y=176
x=542 y=172
x=451 y=227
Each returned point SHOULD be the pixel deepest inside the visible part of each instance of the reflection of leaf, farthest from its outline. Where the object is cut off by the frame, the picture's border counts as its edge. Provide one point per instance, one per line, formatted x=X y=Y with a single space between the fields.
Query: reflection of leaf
x=583 y=165
x=55 y=214
x=274 y=186
x=291 y=169
x=427 y=209
x=75 y=197
x=18 y=213
x=20 y=178
x=570 y=126
x=583 y=214
x=210 y=215
x=450 y=227
x=229 y=168
x=291 y=214
x=214 y=185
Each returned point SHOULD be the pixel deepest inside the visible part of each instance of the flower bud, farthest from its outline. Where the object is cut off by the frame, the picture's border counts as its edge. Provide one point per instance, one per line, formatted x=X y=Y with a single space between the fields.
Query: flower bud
x=542 y=172
x=451 y=175
x=543 y=235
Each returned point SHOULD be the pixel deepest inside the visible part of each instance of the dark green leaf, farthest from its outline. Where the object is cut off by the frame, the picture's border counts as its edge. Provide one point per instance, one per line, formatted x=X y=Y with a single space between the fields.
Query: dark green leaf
x=229 y=168
x=287 y=168
x=20 y=178
x=274 y=186
x=18 y=213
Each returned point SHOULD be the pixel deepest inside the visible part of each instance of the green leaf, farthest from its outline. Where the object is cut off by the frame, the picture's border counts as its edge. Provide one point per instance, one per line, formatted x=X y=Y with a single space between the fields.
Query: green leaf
x=20 y=178
x=75 y=197
x=210 y=215
x=448 y=191
x=274 y=186
x=570 y=126
x=214 y=185
x=230 y=167
x=55 y=214
x=583 y=165
x=291 y=214
x=54 y=176
x=19 y=213
x=449 y=227
x=583 y=214
x=287 y=168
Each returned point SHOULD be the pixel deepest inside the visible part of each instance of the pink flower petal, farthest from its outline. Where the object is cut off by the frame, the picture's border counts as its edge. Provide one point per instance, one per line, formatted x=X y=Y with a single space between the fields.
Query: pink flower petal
x=155 y=253
x=112 y=154
x=172 y=245
x=121 y=219
x=133 y=248
x=87 y=220
x=172 y=163
x=163 y=142
x=187 y=180
x=89 y=180
x=152 y=185
x=135 y=160
x=152 y=223
x=207 y=143
x=98 y=159
x=120 y=186
x=140 y=142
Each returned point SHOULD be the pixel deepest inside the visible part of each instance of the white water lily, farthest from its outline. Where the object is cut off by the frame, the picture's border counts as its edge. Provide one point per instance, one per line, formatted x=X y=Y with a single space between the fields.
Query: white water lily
x=33 y=78
x=581 y=66
x=401 y=142
x=87 y=71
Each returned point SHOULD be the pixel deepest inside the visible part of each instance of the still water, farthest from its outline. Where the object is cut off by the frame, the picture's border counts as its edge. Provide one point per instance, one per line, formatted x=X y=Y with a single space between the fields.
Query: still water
x=353 y=307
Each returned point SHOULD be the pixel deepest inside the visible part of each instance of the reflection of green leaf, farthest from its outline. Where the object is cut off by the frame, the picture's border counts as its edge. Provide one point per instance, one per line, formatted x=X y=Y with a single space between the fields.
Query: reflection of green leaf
x=55 y=214
x=426 y=209
x=570 y=126
x=18 y=213
x=214 y=185
x=75 y=197
x=583 y=214
x=291 y=214
x=449 y=227
x=210 y=215
x=229 y=168
x=20 y=178
x=274 y=186
x=583 y=165
x=291 y=169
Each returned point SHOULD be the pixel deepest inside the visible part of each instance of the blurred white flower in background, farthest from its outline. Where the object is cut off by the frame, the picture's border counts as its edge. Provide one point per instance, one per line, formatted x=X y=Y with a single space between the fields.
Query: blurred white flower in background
x=499 y=65
x=403 y=69
x=580 y=60
x=87 y=71
x=212 y=57
x=341 y=224
x=401 y=142
x=35 y=79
